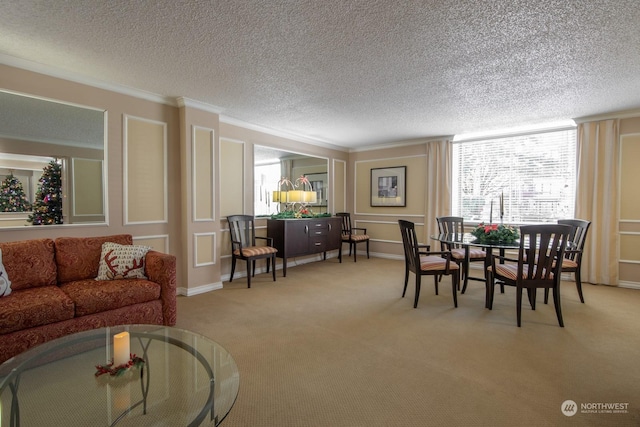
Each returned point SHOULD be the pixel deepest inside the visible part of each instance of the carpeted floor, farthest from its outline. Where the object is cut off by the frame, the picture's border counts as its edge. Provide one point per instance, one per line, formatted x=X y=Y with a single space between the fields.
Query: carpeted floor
x=335 y=345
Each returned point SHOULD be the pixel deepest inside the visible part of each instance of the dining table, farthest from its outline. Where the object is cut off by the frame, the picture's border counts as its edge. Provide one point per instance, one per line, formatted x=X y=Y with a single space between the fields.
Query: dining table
x=466 y=240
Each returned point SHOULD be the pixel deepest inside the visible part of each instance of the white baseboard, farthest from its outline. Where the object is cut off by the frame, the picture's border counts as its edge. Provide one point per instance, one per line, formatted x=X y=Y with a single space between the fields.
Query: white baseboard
x=630 y=285
x=198 y=289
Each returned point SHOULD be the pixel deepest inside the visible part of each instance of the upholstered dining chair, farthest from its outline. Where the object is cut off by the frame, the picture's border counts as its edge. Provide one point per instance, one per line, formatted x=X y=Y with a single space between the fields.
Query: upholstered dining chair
x=244 y=247
x=422 y=262
x=537 y=266
x=353 y=235
x=572 y=261
x=462 y=255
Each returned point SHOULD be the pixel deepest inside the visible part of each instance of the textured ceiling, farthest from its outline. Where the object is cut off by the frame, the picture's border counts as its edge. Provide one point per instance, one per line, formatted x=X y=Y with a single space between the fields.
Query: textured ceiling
x=349 y=73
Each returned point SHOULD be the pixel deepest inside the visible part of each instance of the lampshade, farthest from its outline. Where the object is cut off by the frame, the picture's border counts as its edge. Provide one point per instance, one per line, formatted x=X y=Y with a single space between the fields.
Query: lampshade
x=310 y=197
x=280 y=196
x=295 y=196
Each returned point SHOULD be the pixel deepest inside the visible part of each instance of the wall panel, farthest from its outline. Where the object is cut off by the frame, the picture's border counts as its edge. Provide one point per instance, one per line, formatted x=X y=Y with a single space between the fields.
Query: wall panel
x=415 y=186
x=339 y=185
x=204 y=249
x=145 y=180
x=232 y=177
x=203 y=174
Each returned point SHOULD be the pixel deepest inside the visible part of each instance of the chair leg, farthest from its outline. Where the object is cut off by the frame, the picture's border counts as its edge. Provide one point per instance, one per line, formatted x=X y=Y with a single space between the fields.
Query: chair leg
x=531 y=293
x=579 y=285
x=248 y=274
x=367 y=249
x=233 y=267
x=436 y=281
x=273 y=261
x=546 y=295
x=556 y=302
x=455 y=283
x=415 y=302
x=519 y=305
x=355 y=251
x=406 y=279
x=489 y=292
x=253 y=270
x=464 y=275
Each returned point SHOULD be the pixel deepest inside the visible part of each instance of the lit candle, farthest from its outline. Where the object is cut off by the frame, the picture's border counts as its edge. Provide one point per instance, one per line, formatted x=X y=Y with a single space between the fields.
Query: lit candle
x=491 y=213
x=121 y=353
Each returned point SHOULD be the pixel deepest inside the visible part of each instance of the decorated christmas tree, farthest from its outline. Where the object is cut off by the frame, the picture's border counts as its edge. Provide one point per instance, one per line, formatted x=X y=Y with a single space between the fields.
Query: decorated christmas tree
x=47 y=208
x=12 y=196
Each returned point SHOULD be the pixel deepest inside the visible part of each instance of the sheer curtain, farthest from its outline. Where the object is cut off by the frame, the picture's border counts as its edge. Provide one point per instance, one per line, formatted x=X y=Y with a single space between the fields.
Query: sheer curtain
x=598 y=152
x=438 y=197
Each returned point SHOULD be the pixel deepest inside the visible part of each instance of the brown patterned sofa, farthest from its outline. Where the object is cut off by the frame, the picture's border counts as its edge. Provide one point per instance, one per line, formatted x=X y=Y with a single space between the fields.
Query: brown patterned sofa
x=54 y=291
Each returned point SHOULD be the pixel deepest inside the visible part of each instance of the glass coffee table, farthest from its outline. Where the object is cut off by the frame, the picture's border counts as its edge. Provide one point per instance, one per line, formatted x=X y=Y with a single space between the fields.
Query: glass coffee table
x=186 y=379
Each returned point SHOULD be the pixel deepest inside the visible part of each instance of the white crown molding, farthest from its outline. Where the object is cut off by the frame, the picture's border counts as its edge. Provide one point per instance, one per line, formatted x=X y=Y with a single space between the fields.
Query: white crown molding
x=625 y=114
x=82 y=79
x=192 y=103
x=283 y=134
x=403 y=143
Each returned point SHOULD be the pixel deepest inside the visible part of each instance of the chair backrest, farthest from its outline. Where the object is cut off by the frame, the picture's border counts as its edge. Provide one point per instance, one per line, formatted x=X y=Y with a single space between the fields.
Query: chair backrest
x=577 y=235
x=540 y=247
x=410 y=244
x=242 y=230
x=453 y=225
x=346 y=222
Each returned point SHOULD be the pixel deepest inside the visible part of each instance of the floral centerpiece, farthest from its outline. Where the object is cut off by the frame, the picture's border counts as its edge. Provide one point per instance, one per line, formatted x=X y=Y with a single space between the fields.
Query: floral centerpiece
x=494 y=233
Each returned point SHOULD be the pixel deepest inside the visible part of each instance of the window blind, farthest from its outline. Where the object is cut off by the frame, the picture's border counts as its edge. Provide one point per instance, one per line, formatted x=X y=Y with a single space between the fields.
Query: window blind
x=535 y=174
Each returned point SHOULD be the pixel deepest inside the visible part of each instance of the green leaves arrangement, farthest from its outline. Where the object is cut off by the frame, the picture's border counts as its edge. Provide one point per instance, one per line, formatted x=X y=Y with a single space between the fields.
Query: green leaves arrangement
x=494 y=233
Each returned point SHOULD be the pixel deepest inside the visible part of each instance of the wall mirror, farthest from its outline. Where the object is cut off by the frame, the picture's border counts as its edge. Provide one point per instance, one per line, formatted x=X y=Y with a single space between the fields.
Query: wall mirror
x=35 y=132
x=271 y=165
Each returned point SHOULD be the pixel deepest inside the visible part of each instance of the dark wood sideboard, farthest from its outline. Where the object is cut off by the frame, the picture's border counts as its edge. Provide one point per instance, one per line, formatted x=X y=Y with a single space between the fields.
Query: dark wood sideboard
x=305 y=236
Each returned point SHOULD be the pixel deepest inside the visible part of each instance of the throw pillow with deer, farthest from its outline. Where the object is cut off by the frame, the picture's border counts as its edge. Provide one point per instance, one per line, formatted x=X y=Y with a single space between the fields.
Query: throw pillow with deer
x=5 y=283
x=122 y=261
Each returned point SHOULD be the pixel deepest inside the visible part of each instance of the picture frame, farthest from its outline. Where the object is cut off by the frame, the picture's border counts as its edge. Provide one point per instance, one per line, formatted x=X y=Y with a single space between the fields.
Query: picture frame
x=318 y=182
x=388 y=186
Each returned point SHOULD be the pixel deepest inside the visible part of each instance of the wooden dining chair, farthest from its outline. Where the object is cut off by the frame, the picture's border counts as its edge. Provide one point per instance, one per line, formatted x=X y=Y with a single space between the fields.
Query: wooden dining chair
x=461 y=254
x=572 y=261
x=422 y=262
x=244 y=247
x=353 y=235
x=537 y=266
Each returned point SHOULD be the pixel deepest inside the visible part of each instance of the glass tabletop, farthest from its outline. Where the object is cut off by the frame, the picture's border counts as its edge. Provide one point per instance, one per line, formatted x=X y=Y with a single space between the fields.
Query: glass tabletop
x=468 y=239
x=185 y=379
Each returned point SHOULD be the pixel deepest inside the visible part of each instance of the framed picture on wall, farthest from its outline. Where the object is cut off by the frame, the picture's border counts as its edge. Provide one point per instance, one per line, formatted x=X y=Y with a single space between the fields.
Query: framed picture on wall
x=388 y=186
x=318 y=182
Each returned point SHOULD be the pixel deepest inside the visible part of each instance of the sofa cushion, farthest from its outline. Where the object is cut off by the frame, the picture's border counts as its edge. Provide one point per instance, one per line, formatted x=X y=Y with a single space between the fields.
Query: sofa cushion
x=32 y=307
x=122 y=261
x=91 y=296
x=29 y=263
x=78 y=257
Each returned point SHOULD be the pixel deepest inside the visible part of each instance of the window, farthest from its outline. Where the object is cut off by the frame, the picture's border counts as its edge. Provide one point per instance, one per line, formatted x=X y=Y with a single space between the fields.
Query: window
x=536 y=173
x=266 y=182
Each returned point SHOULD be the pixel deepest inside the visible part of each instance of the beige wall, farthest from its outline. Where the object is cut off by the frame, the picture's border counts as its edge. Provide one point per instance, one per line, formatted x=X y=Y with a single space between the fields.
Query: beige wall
x=382 y=222
x=117 y=106
x=200 y=240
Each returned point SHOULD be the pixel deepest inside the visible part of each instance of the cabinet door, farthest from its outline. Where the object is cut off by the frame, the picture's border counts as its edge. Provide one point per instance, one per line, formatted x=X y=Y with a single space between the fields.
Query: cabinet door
x=334 y=235
x=297 y=237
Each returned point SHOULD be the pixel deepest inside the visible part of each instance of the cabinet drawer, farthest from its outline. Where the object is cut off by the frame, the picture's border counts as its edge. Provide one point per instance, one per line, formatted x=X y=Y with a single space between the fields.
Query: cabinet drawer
x=317 y=243
x=318 y=228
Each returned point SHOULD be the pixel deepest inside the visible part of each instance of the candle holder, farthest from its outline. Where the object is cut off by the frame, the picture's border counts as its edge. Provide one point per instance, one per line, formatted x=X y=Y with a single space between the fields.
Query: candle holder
x=119 y=370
